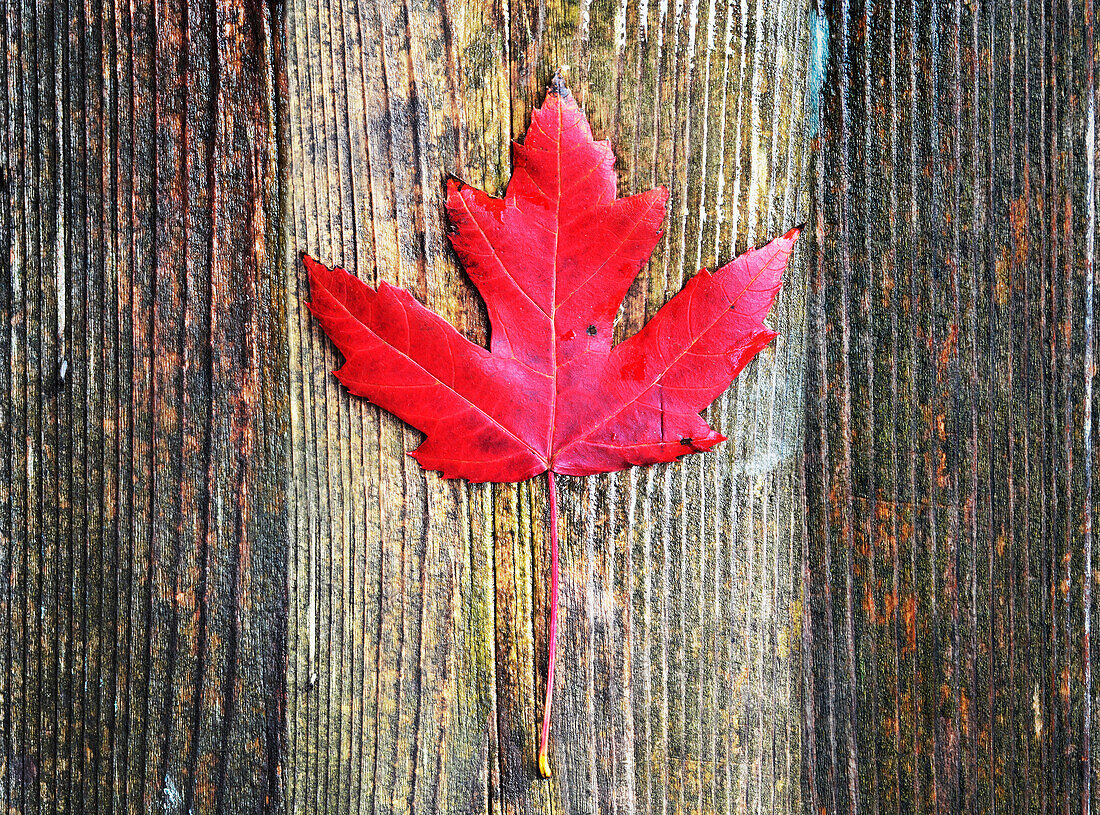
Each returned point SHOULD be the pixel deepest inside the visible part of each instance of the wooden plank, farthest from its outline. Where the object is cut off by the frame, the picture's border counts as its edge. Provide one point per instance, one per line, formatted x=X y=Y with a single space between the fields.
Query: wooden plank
x=142 y=514
x=950 y=387
x=417 y=621
x=180 y=465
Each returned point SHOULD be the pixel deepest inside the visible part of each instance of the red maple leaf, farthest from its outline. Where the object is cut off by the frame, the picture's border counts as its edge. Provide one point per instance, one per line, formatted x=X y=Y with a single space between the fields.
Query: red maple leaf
x=553 y=260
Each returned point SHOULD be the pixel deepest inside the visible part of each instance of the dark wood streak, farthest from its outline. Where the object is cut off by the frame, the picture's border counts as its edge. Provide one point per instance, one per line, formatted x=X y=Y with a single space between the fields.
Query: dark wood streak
x=142 y=513
x=950 y=411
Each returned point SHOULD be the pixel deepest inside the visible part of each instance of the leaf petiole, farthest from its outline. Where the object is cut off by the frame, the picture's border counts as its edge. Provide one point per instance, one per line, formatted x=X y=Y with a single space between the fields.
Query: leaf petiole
x=544 y=759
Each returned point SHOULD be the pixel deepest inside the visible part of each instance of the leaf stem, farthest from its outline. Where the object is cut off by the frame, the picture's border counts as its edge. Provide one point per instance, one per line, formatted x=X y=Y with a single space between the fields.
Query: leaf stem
x=544 y=759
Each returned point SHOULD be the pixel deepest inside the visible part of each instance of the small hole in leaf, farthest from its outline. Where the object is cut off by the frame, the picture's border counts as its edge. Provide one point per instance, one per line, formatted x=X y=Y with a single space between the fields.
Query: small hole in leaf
x=685 y=441
x=591 y=330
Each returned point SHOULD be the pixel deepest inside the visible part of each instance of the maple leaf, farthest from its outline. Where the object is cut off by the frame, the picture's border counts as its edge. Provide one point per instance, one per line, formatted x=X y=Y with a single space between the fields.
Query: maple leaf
x=553 y=260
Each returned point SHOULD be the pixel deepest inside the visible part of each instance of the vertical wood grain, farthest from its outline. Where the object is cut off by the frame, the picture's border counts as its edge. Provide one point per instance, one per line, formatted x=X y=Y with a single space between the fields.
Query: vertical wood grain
x=417 y=622
x=950 y=387
x=210 y=554
x=142 y=531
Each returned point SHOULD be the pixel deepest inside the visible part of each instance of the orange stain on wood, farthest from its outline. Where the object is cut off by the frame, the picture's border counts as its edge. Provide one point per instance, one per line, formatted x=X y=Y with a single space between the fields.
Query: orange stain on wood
x=909 y=615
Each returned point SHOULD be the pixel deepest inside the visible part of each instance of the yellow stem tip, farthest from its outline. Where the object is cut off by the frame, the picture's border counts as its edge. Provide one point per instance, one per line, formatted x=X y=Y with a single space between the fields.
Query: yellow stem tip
x=544 y=765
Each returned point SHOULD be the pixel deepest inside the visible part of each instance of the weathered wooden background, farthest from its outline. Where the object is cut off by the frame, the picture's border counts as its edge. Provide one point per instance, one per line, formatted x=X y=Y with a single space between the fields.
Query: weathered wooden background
x=143 y=390
x=224 y=588
x=950 y=392
x=417 y=633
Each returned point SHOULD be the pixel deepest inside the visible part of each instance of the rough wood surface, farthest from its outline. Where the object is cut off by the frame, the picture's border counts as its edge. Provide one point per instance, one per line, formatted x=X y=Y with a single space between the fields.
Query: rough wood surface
x=143 y=531
x=951 y=403
x=224 y=588
x=417 y=623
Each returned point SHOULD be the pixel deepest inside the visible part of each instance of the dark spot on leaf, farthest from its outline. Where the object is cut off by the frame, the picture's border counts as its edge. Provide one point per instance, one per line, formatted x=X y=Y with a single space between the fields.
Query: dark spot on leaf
x=685 y=441
x=591 y=330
